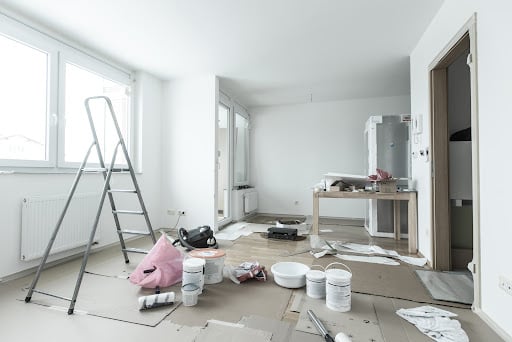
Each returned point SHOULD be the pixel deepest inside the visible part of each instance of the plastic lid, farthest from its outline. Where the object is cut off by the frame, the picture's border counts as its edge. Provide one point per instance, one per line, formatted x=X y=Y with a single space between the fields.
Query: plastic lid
x=193 y=265
x=315 y=275
x=207 y=253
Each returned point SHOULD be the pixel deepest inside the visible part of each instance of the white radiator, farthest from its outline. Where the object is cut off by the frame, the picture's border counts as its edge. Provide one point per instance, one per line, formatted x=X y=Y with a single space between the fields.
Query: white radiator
x=39 y=215
x=250 y=201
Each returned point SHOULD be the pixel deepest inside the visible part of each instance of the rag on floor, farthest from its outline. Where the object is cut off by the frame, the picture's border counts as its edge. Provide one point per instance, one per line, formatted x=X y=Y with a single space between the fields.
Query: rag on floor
x=435 y=323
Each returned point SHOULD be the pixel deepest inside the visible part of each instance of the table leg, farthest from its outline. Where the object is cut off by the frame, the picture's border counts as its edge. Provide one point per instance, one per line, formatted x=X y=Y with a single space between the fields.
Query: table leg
x=314 y=229
x=412 y=224
x=396 y=212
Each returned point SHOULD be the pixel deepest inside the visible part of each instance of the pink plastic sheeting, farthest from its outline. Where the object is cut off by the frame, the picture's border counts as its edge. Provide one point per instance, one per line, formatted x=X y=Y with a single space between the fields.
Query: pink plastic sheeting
x=162 y=266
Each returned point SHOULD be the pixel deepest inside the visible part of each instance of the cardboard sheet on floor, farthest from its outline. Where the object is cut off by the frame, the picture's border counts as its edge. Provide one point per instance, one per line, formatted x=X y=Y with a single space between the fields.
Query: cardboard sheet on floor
x=216 y=331
x=230 y=302
x=280 y=330
x=360 y=323
x=389 y=281
x=100 y=296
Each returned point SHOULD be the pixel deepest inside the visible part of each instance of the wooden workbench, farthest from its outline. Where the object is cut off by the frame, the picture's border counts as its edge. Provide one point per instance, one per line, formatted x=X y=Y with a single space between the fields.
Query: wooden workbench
x=409 y=196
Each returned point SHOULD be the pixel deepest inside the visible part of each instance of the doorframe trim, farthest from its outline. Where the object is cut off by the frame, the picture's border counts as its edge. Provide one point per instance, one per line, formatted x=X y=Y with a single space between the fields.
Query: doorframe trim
x=470 y=29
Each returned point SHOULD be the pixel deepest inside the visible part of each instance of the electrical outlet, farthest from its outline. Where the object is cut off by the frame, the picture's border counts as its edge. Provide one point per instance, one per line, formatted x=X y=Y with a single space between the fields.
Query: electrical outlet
x=180 y=212
x=171 y=212
x=505 y=284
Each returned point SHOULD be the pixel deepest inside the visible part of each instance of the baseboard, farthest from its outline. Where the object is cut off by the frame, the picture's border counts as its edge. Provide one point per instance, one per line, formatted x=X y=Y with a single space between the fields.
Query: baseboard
x=497 y=329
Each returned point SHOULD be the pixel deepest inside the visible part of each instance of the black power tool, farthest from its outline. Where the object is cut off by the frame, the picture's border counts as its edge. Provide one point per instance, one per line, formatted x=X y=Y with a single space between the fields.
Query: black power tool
x=200 y=237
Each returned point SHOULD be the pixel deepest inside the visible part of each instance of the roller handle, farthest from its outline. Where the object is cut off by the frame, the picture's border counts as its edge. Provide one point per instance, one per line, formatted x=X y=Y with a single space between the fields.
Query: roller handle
x=319 y=326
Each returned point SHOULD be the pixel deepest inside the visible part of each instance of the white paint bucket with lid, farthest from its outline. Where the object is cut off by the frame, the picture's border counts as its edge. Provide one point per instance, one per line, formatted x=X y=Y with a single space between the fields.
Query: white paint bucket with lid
x=214 y=263
x=337 y=288
x=193 y=272
x=315 y=283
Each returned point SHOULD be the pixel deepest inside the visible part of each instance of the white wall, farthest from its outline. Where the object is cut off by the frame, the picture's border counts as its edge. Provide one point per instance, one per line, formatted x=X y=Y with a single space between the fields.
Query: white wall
x=495 y=119
x=14 y=187
x=293 y=146
x=188 y=142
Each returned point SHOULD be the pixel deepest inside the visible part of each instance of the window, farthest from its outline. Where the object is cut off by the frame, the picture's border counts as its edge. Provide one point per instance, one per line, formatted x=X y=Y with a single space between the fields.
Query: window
x=24 y=89
x=79 y=85
x=241 y=146
x=44 y=83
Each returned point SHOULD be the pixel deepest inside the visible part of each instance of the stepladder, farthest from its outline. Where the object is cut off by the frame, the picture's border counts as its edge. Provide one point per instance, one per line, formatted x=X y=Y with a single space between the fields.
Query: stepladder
x=107 y=170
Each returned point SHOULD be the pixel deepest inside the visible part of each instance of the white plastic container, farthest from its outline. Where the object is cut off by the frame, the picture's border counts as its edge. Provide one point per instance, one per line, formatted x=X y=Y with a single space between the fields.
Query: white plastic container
x=337 y=288
x=214 y=263
x=193 y=272
x=315 y=283
x=189 y=294
x=289 y=274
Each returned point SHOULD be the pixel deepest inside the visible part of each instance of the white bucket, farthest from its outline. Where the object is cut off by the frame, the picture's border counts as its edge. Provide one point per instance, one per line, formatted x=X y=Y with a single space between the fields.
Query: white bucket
x=193 y=272
x=337 y=288
x=315 y=283
x=189 y=294
x=214 y=263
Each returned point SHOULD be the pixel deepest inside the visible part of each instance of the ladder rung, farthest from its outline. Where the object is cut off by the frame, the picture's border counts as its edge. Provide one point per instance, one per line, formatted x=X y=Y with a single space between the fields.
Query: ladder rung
x=124 y=190
x=134 y=232
x=135 y=250
x=52 y=295
x=94 y=169
x=130 y=212
x=117 y=170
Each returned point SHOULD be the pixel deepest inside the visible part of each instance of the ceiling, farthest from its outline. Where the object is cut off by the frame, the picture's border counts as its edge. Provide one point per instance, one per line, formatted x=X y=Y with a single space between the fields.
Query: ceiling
x=266 y=52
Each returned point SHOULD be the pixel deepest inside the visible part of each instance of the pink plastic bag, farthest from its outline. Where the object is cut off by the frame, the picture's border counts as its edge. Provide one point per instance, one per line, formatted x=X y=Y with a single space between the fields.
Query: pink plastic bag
x=162 y=266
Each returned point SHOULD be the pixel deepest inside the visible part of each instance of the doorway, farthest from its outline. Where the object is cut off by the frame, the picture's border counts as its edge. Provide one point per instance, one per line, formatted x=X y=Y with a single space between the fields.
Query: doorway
x=454 y=157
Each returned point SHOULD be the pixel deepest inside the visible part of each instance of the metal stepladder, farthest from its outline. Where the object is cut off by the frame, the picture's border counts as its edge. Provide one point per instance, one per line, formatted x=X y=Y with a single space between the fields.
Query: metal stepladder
x=107 y=174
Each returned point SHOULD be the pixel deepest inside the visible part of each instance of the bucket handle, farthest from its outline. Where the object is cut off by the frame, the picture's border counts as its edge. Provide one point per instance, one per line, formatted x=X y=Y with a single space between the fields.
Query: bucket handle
x=323 y=269
x=338 y=263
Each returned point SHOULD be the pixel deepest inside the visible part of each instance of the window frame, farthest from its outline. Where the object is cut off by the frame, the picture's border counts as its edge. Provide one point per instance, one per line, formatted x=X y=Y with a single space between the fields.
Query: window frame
x=59 y=53
x=102 y=70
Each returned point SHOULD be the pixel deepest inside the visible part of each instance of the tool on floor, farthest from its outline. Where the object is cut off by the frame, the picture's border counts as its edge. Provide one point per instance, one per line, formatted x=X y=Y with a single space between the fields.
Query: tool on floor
x=340 y=337
x=319 y=326
x=157 y=300
x=200 y=237
x=106 y=171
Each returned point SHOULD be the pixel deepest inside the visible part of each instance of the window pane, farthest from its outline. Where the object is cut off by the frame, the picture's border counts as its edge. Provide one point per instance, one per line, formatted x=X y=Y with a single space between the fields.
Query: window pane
x=241 y=149
x=23 y=101
x=81 y=84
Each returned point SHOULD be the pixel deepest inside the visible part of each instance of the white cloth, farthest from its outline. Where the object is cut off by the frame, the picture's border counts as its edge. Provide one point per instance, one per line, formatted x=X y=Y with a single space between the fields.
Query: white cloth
x=369 y=249
x=370 y=259
x=435 y=323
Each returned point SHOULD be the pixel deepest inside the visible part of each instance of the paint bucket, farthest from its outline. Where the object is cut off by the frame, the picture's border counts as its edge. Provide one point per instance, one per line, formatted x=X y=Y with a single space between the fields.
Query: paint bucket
x=315 y=283
x=193 y=272
x=337 y=288
x=214 y=263
x=189 y=294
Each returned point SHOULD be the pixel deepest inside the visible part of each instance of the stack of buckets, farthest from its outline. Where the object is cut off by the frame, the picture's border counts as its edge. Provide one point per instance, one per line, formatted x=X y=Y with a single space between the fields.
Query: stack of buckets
x=200 y=267
x=331 y=283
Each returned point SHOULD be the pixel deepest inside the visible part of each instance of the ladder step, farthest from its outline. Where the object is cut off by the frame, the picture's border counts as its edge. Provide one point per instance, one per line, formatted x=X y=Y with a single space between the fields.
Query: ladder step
x=94 y=169
x=134 y=232
x=120 y=170
x=130 y=212
x=133 y=191
x=135 y=250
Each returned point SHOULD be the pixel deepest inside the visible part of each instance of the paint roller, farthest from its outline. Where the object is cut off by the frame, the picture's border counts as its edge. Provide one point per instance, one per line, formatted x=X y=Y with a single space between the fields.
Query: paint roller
x=156 y=300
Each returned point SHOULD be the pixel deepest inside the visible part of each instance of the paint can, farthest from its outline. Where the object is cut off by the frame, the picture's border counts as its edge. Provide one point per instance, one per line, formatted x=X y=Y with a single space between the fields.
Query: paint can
x=315 y=283
x=193 y=272
x=214 y=263
x=189 y=294
x=337 y=288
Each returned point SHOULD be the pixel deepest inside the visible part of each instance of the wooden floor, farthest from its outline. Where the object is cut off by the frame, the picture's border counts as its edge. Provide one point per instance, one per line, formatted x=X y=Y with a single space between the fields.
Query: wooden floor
x=24 y=322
